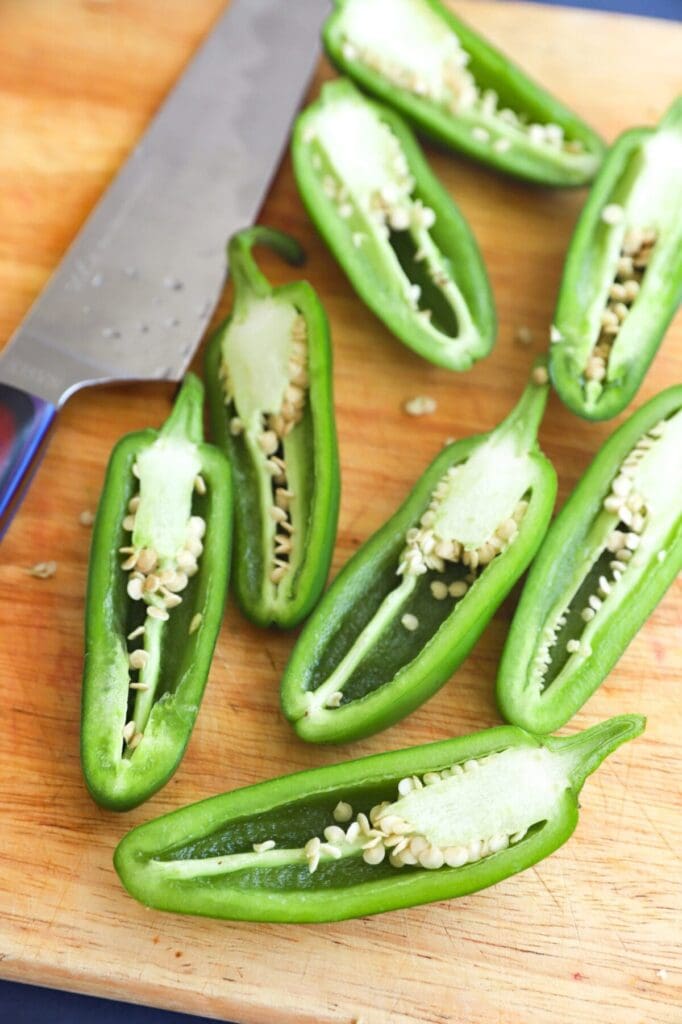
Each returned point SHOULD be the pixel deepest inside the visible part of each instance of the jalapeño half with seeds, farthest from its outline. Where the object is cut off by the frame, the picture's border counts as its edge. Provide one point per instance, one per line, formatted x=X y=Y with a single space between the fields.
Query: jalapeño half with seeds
x=156 y=589
x=410 y=604
x=395 y=231
x=268 y=374
x=417 y=56
x=622 y=282
x=428 y=823
x=607 y=559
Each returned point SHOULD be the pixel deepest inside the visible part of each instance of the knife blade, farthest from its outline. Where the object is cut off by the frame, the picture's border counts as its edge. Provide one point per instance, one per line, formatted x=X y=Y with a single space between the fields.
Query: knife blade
x=132 y=296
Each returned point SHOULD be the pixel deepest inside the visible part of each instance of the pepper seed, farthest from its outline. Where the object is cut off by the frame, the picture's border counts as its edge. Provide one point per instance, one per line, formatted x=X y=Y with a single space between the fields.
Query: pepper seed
x=343 y=812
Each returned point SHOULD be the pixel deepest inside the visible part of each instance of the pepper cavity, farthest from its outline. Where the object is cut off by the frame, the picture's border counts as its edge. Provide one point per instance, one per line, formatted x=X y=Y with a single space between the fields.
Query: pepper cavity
x=264 y=374
x=449 y=817
x=374 y=649
x=404 y=245
x=166 y=544
x=638 y=513
x=269 y=384
x=606 y=561
x=363 y=170
x=622 y=281
x=390 y=831
x=410 y=45
x=157 y=579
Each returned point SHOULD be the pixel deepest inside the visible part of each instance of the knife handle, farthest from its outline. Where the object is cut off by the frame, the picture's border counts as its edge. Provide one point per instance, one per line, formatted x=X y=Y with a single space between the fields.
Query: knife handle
x=25 y=420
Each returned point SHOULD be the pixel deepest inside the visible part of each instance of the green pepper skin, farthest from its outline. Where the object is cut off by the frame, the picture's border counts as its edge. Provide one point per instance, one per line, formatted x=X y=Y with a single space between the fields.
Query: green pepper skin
x=117 y=782
x=318 y=445
x=561 y=554
x=292 y=808
x=435 y=650
x=587 y=263
x=516 y=89
x=451 y=233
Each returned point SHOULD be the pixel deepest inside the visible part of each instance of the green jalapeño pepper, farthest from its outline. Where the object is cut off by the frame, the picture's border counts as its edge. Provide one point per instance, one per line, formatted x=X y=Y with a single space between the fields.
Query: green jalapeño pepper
x=389 y=831
x=420 y=58
x=404 y=245
x=269 y=386
x=607 y=559
x=411 y=603
x=156 y=590
x=622 y=282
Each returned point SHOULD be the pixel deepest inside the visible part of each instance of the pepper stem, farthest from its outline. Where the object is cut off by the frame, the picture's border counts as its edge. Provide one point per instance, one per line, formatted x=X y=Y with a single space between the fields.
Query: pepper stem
x=186 y=420
x=249 y=281
x=523 y=422
x=586 y=750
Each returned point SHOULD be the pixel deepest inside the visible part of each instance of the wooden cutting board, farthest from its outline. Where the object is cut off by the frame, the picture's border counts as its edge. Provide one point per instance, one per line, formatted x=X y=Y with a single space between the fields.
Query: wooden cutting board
x=591 y=934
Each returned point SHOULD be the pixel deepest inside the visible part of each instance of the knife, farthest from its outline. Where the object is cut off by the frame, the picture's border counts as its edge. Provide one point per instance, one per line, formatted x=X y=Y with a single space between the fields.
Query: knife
x=134 y=292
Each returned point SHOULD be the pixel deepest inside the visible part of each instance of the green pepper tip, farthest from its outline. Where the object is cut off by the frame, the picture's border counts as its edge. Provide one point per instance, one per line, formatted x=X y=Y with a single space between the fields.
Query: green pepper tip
x=186 y=416
x=586 y=750
x=672 y=119
x=525 y=418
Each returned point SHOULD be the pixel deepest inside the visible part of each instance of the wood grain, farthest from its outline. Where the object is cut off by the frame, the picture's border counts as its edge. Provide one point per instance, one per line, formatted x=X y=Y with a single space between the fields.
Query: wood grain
x=591 y=934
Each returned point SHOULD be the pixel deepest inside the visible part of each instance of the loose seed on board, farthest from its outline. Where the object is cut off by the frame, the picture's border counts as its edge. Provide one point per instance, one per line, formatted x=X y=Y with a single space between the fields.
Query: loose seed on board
x=43 y=570
x=420 y=405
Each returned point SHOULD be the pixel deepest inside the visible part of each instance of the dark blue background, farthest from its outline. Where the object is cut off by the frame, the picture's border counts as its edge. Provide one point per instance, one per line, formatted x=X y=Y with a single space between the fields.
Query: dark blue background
x=24 y=1004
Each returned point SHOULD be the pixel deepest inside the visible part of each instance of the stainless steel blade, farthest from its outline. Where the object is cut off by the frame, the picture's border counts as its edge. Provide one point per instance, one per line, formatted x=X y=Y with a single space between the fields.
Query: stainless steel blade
x=131 y=298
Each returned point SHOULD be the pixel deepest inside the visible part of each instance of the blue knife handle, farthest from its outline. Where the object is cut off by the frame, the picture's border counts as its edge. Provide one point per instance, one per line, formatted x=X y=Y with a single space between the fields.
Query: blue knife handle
x=25 y=421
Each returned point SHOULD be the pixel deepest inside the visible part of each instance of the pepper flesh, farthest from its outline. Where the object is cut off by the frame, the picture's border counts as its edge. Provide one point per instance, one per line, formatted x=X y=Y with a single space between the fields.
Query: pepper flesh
x=395 y=231
x=156 y=590
x=417 y=56
x=275 y=851
x=268 y=372
x=622 y=281
x=607 y=560
x=375 y=649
